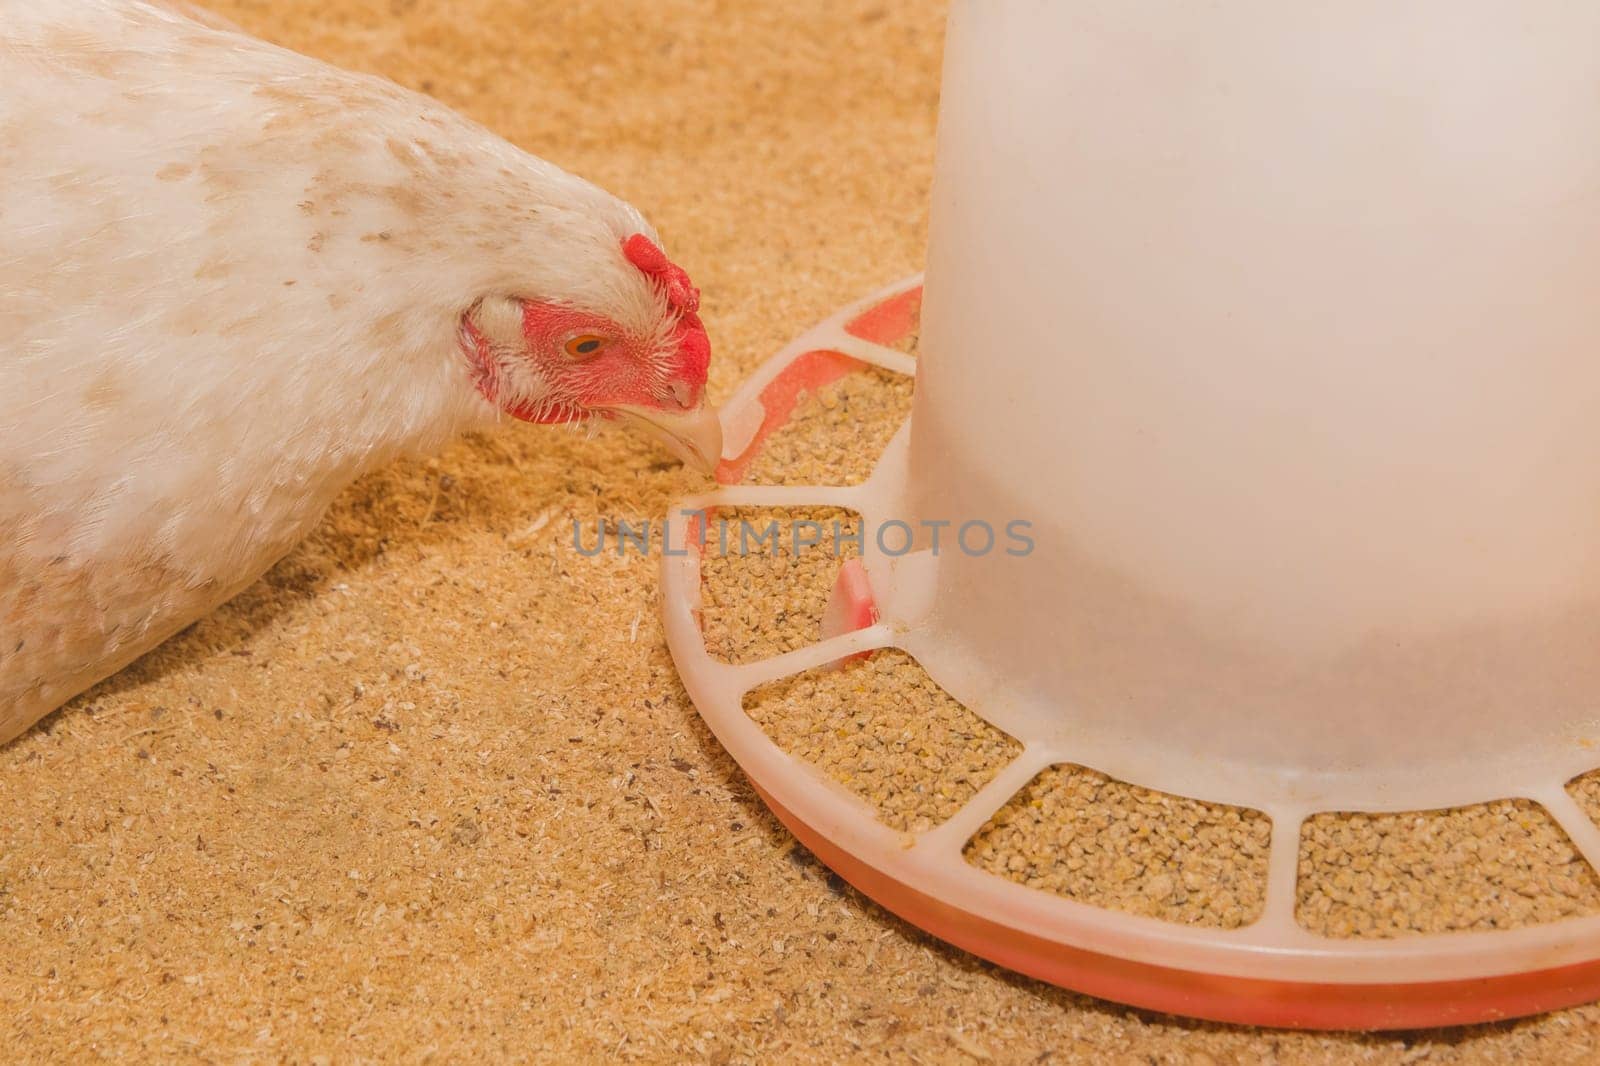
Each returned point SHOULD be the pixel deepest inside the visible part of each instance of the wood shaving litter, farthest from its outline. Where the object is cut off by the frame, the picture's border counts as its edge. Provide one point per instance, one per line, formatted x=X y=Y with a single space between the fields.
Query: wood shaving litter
x=1083 y=835
x=184 y=896
x=835 y=435
x=760 y=597
x=881 y=727
x=1497 y=865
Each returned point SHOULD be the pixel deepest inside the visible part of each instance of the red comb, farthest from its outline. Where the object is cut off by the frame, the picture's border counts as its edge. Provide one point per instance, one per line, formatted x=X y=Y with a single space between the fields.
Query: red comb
x=642 y=252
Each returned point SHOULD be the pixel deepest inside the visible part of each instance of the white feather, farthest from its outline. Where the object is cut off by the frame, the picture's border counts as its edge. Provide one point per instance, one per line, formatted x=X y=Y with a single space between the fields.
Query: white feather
x=231 y=280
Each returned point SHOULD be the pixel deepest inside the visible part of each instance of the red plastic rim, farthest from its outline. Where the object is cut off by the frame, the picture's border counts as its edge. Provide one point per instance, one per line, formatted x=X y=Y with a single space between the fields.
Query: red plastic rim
x=1280 y=1004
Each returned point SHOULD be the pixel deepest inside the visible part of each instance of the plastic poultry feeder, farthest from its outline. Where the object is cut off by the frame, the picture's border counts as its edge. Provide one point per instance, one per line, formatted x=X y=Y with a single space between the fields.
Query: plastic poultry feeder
x=1276 y=324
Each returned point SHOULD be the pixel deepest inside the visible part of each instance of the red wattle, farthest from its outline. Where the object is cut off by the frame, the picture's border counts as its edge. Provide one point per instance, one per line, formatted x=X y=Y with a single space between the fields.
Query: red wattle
x=693 y=358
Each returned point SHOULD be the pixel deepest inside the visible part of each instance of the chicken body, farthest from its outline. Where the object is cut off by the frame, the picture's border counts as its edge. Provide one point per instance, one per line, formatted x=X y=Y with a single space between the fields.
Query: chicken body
x=232 y=280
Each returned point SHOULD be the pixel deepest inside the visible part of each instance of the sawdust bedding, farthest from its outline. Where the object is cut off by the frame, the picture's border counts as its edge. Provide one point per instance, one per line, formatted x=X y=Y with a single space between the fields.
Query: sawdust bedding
x=431 y=791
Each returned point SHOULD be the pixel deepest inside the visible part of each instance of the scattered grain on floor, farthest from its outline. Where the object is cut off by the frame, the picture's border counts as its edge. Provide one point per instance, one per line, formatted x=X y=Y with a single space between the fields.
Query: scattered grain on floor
x=881 y=727
x=1498 y=865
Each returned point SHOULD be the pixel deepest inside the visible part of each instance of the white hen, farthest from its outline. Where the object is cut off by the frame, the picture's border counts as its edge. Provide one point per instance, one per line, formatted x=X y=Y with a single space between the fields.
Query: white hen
x=233 y=279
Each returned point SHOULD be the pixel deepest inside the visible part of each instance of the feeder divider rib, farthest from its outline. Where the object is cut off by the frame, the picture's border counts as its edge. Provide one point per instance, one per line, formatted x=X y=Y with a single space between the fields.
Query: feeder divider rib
x=753 y=675
x=876 y=354
x=1583 y=833
x=1283 y=875
x=844 y=496
x=952 y=835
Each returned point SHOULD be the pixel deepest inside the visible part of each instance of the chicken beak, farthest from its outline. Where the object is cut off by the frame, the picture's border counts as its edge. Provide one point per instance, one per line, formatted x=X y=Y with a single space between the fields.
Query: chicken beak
x=695 y=436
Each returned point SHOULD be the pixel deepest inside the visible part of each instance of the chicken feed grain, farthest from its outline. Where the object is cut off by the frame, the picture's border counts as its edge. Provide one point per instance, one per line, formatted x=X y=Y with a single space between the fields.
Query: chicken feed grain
x=1083 y=835
x=765 y=583
x=880 y=727
x=1498 y=865
x=838 y=430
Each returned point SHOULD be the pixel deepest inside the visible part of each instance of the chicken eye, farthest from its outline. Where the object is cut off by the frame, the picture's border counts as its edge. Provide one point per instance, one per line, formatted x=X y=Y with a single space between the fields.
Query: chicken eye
x=584 y=345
